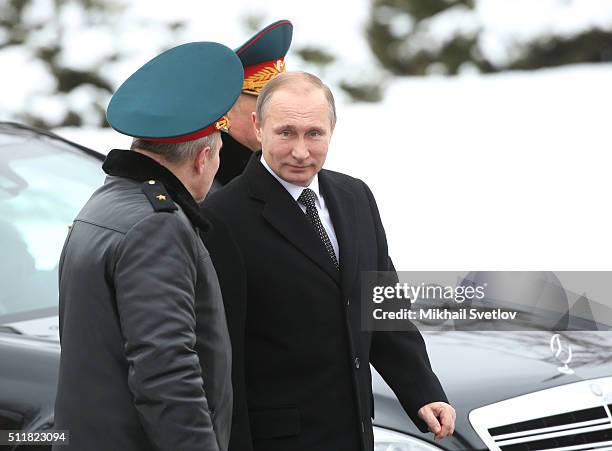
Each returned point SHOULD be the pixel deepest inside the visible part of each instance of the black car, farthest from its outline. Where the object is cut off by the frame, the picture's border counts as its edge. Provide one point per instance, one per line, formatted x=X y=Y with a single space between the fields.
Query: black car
x=512 y=390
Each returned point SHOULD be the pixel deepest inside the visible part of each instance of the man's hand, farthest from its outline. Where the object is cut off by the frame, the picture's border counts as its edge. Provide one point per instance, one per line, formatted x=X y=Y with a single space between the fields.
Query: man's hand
x=440 y=418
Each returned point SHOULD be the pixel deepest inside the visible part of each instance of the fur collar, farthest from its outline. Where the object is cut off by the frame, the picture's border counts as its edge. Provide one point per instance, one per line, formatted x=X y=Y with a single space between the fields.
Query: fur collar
x=139 y=167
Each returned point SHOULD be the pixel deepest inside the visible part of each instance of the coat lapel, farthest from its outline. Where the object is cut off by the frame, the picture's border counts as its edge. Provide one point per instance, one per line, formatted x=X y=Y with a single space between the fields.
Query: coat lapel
x=341 y=204
x=283 y=213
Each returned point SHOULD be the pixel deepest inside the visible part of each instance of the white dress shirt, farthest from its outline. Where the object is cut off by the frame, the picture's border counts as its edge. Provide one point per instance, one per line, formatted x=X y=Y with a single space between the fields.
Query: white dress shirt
x=296 y=190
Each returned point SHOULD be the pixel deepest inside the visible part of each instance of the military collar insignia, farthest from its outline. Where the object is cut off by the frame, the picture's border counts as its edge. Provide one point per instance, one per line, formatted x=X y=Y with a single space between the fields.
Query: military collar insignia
x=158 y=196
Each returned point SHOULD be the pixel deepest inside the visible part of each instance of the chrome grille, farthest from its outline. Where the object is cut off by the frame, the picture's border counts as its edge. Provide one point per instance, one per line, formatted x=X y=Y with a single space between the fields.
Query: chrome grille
x=566 y=418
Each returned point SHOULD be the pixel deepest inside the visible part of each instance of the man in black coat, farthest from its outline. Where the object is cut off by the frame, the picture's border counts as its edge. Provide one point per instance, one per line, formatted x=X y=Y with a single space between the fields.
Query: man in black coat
x=304 y=235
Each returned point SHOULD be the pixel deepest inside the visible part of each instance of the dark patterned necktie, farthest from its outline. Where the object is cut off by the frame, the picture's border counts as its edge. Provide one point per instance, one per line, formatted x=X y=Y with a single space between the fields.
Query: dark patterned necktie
x=307 y=199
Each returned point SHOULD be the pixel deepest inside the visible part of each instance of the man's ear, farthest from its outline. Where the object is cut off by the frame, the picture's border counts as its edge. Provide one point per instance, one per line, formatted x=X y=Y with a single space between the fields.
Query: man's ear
x=256 y=126
x=202 y=158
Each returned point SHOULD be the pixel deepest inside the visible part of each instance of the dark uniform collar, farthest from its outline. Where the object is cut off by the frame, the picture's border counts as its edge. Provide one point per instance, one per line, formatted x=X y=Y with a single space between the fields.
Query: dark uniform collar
x=139 y=167
x=234 y=158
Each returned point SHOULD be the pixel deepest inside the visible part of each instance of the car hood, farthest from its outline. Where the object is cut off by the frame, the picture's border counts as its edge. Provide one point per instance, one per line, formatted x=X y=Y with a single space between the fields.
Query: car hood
x=480 y=368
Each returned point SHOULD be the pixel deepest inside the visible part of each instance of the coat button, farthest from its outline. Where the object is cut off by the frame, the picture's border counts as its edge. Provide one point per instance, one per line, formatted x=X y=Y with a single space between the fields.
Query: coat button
x=357 y=362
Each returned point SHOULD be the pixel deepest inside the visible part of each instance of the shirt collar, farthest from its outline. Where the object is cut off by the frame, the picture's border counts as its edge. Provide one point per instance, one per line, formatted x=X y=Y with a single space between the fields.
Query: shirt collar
x=294 y=190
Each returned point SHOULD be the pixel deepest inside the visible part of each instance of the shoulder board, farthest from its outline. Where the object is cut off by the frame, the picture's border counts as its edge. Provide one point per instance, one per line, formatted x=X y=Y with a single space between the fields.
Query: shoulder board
x=158 y=196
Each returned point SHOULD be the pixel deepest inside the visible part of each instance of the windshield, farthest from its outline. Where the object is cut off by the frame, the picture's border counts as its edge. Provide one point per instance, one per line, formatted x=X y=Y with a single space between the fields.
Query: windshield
x=43 y=185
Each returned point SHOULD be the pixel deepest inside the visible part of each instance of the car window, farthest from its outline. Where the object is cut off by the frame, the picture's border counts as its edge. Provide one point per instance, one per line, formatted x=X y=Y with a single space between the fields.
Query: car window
x=43 y=185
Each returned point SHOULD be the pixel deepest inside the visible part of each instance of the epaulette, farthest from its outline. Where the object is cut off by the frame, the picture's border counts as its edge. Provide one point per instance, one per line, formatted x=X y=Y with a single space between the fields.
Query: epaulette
x=158 y=196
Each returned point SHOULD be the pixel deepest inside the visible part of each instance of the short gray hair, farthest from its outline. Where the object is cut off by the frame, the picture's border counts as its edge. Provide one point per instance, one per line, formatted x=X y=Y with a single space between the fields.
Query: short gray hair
x=286 y=80
x=178 y=152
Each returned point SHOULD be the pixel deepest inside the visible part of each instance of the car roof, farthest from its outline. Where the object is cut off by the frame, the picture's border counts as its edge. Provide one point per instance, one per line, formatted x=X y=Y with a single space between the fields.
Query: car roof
x=14 y=128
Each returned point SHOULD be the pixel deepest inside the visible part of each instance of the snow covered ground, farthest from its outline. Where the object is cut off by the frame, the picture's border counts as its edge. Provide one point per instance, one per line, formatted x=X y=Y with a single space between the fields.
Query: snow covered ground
x=499 y=172
x=508 y=171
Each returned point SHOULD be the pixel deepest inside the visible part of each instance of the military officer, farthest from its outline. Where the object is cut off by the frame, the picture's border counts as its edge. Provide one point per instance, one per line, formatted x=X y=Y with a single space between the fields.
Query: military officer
x=263 y=58
x=146 y=355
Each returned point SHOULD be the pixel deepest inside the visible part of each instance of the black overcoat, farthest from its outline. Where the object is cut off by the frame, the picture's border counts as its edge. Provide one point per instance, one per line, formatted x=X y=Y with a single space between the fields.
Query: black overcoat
x=305 y=360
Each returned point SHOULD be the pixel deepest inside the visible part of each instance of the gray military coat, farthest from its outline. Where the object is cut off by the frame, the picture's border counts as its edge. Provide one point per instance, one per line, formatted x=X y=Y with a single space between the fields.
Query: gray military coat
x=146 y=357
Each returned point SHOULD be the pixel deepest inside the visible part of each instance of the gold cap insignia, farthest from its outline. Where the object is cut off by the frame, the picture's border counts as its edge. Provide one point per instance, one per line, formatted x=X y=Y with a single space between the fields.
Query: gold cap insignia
x=223 y=124
x=255 y=81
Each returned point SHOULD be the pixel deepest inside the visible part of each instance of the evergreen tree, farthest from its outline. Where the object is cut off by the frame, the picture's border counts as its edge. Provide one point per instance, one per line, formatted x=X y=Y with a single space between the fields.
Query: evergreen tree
x=40 y=30
x=402 y=35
